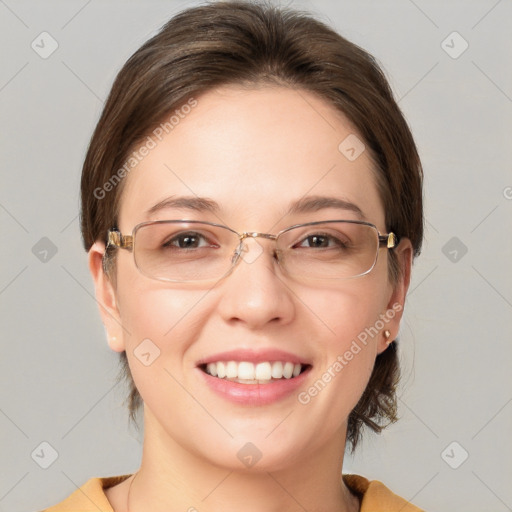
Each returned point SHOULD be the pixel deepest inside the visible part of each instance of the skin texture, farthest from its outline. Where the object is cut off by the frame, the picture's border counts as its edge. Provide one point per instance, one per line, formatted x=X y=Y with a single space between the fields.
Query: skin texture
x=253 y=151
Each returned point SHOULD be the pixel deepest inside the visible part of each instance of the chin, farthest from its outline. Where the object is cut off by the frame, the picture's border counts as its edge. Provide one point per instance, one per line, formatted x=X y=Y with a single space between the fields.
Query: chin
x=253 y=453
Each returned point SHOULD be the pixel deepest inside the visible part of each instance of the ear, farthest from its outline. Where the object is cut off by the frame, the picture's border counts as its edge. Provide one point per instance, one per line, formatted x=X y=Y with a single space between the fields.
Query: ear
x=106 y=298
x=395 y=307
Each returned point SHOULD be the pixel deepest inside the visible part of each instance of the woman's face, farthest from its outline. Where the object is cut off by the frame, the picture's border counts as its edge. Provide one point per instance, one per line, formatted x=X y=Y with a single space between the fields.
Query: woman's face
x=254 y=153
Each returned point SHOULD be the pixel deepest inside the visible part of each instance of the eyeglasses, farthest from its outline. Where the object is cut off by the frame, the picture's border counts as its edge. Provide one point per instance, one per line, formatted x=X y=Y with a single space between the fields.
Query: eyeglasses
x=190 y=251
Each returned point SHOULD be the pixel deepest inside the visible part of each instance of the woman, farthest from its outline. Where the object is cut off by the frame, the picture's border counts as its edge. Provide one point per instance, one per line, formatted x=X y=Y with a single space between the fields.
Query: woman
x=251 y=205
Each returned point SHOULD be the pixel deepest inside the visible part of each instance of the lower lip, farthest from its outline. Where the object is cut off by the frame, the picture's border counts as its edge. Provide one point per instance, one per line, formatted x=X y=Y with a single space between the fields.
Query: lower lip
x=255 y=394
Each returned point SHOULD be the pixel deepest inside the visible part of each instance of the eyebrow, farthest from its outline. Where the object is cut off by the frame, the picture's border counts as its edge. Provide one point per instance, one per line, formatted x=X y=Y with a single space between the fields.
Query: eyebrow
x=315 y=203
x=304 y=205
x=200 y=204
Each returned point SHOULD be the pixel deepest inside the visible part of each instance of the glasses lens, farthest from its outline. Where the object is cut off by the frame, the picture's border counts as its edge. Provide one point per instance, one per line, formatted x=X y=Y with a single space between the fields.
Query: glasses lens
x=184 y=251
x=329 y=250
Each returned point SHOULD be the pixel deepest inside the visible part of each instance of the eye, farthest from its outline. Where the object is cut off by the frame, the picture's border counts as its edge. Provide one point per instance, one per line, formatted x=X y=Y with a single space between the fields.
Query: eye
x=323 y=241
x=187 y=240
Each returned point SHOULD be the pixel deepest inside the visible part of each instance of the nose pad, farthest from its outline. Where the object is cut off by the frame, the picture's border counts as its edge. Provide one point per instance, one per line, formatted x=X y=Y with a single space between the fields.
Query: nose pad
x=236 y=254
x=251 y=254
x=251 y=251
x=278 y=256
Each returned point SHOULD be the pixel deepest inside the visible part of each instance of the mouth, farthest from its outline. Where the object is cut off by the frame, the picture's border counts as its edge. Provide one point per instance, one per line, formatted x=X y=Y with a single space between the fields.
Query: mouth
x=254 y=377
x=247 y=372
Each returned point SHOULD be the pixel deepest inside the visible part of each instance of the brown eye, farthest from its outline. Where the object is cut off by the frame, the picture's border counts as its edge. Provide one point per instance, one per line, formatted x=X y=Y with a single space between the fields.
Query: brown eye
x=185 y=241
x=322 y=241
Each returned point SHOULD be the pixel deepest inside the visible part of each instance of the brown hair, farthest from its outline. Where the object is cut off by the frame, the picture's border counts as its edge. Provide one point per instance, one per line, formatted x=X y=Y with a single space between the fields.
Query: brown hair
x=253 y=43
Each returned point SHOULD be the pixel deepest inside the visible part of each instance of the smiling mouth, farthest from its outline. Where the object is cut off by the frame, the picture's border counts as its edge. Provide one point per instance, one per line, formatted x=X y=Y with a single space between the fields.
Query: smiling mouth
x=246 y=372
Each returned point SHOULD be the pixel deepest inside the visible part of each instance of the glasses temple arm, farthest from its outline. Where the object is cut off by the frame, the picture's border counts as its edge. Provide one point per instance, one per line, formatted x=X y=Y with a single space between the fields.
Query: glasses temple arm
x=116 y=239
x=391 y=240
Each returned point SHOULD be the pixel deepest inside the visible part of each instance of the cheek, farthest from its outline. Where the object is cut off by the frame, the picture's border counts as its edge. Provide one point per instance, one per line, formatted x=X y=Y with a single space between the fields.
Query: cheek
x=152 y=309
x=351 y=326
x=348 y=311
x=161 y=323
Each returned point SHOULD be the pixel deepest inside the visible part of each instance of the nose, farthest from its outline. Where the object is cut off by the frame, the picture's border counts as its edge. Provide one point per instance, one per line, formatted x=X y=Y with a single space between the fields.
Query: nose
x=256 y=293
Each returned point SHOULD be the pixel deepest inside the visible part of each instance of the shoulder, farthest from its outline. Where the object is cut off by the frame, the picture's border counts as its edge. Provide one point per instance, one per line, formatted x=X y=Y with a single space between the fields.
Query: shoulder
x=90 y=496
x=376 y=497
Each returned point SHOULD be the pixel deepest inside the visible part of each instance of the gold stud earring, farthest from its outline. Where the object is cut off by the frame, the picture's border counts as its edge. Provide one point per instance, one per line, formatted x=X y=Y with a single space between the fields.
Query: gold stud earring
x=387 y=335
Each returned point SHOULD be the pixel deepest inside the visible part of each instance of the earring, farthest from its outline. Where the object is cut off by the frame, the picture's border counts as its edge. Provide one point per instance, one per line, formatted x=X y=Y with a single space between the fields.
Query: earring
x=387 y=334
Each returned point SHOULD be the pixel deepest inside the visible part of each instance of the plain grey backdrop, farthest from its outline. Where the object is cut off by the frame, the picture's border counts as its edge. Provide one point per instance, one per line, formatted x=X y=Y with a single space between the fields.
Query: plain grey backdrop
x=449 y=65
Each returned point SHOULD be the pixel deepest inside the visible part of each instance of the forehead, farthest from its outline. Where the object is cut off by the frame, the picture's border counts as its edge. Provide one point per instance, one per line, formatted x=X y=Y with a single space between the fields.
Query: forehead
x=254 y=152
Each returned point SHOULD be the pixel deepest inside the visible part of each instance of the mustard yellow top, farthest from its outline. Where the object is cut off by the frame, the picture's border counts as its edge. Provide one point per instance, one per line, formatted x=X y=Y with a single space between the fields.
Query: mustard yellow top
x=374 y=496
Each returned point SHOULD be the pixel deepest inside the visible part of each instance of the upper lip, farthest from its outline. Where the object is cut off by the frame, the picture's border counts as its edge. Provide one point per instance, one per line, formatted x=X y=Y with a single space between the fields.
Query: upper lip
x=253 y=356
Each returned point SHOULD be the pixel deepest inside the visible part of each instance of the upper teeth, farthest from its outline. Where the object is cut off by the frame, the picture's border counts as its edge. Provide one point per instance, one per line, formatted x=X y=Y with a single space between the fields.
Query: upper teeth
x=245 y=370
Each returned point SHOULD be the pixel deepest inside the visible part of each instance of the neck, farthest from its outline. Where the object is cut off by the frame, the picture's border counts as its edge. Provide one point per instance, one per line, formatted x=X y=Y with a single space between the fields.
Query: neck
x=172 y=478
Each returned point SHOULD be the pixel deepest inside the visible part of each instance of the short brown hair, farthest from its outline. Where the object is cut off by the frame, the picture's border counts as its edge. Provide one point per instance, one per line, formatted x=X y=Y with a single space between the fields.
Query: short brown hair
x=250 y=44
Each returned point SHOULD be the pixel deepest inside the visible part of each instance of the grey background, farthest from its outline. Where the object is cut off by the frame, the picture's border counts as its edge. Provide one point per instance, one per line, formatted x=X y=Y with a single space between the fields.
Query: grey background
x=57 y=373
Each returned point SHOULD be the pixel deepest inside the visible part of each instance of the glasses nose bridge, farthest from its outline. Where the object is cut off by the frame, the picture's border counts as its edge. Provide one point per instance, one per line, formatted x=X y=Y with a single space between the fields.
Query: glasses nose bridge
x=252 y=234
x=255 y=234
